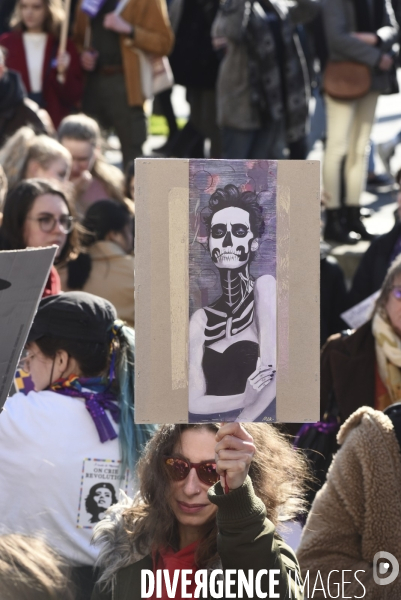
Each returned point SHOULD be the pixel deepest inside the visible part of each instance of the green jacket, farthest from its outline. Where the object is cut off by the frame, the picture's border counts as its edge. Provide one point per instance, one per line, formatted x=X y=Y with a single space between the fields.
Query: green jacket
x=246 y=540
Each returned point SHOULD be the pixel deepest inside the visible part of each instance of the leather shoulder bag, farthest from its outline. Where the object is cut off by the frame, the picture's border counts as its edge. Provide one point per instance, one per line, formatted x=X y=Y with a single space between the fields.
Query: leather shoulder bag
x=346 y=80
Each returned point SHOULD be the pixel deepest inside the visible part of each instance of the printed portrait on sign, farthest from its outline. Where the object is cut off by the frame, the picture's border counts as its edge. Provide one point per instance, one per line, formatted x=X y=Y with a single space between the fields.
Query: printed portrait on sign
x=232 y=272
x=101 y=497
x=101 y=480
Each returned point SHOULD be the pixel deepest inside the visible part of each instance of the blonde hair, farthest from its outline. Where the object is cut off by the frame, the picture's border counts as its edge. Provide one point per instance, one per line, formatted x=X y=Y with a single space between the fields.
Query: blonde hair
x=55 y=16
x=25 y=146
x=385 y=290
x=31 y=570
x=85 y=129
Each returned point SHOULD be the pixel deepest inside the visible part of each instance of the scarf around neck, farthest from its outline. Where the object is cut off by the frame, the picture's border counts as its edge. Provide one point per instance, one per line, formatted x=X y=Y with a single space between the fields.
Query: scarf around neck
x=388 y=356
x=269 y=78
x=369 y=15
x=98 y=398
x=170 y=561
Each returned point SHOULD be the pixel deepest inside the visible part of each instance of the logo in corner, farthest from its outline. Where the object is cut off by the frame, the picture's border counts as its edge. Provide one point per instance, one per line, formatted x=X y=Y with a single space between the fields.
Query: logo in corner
x=385 y=568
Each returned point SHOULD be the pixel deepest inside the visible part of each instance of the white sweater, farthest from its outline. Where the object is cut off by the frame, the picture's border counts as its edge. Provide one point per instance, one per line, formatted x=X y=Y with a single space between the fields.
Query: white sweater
x=35 y=46
x=50 y=458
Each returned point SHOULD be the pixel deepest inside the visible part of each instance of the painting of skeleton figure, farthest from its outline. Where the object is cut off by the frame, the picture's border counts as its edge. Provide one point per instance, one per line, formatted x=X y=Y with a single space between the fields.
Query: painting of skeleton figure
x=232 y=288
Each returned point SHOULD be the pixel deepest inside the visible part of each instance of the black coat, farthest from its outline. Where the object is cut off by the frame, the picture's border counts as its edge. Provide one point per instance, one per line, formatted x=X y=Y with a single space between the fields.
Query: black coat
x=193 y=60
x=373 y=267
x=332 y=298
x=15 y=110
x=348 y=368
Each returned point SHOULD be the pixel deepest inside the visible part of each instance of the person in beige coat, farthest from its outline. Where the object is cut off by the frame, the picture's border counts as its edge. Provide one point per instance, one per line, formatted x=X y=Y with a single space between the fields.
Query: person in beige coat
x=357 y=512
x=106 y=267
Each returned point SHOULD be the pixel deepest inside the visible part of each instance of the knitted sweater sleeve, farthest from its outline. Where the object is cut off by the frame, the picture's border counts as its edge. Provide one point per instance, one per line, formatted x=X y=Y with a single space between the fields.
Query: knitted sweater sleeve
x=247 y=540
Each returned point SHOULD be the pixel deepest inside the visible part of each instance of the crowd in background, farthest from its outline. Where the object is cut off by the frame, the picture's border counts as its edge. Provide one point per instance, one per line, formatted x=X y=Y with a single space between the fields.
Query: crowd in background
x=250 y=70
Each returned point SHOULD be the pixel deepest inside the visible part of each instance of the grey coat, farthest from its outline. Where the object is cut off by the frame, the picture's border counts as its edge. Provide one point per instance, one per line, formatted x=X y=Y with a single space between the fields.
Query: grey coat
x=234 y=107
x=340 y=21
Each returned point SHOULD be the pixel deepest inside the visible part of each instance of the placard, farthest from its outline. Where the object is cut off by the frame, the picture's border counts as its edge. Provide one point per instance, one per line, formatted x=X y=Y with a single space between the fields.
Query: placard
x=227 y=290
x=360 y=313
x=23 y=275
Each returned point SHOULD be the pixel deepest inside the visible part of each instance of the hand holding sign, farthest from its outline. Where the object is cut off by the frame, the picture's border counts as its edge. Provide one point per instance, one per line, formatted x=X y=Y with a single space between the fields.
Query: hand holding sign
x=89 y=59
x=234 y=453
x=63 y=61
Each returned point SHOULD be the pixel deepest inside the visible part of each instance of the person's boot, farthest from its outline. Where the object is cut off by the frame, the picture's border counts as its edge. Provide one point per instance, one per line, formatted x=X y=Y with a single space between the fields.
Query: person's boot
x=354 y=223
x=335 y=231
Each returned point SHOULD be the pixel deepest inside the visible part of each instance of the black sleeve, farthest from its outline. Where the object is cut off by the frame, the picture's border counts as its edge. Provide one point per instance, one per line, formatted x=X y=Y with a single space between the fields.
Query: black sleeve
x=363 y=284
x=101 y=595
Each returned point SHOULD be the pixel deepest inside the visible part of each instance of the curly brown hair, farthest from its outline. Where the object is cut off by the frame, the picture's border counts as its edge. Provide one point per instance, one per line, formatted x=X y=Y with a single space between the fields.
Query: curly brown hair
x=278 y=473
x=231 y=195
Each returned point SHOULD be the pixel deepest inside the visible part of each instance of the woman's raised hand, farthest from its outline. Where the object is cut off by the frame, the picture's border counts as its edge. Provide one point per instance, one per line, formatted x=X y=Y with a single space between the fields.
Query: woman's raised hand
x=234 y=453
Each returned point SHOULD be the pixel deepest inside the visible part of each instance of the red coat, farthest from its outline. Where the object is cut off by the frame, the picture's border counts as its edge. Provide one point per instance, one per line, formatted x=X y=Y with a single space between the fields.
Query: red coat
x=59 y=99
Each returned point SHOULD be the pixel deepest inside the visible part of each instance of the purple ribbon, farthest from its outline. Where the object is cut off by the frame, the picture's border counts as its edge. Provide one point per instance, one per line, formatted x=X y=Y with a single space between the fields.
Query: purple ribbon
x=321 y=426
x=97 y=409
x=96 y=404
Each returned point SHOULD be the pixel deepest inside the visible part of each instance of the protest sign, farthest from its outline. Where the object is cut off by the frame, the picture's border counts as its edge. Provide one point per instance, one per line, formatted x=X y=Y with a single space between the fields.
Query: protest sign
x=227 y=290
x=359 y=314
x=92 y=7
x=23 y=275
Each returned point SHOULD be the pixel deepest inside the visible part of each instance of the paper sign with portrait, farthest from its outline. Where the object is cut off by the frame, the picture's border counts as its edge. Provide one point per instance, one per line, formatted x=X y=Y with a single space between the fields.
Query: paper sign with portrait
x=227 y=264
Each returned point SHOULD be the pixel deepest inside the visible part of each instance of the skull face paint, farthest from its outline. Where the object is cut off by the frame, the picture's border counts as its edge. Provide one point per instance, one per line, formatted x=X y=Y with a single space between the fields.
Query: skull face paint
x=231 y=239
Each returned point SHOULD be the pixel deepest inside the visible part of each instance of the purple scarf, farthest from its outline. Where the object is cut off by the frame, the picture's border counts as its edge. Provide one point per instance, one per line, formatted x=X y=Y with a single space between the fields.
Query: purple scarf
x=98 y=399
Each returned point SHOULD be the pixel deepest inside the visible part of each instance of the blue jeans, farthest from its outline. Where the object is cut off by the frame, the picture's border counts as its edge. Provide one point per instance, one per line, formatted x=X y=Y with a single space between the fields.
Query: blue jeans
x=263 y=143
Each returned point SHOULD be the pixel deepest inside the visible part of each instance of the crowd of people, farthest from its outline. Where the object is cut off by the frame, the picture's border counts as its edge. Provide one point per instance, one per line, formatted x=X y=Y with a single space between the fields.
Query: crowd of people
x=207 y=495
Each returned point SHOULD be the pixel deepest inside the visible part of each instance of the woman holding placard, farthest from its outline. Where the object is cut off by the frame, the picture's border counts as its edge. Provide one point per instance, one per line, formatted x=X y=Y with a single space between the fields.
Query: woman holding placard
x=51 y=74
x=210 y=499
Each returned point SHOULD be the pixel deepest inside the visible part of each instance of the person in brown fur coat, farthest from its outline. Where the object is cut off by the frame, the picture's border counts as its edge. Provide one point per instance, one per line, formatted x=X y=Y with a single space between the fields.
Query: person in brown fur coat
x=357 y=512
